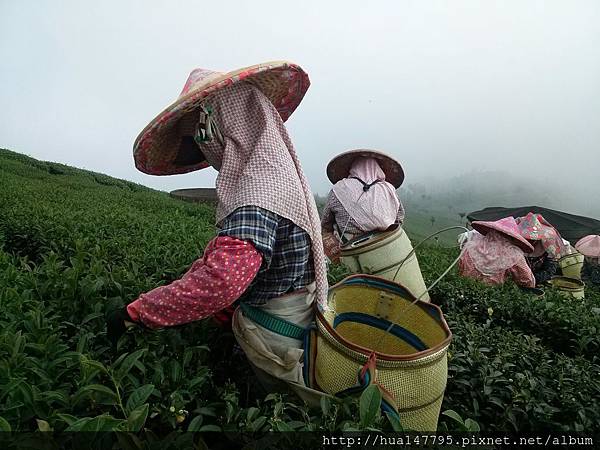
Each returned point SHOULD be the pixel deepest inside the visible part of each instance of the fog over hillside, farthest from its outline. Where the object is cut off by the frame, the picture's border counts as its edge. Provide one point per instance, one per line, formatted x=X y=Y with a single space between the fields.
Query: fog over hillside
x=476 y=190
x=445 y=87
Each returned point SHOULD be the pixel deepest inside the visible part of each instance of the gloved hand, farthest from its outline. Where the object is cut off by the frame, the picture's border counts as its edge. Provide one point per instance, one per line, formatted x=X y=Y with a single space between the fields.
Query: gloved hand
x=331 y=246
x=117 y=322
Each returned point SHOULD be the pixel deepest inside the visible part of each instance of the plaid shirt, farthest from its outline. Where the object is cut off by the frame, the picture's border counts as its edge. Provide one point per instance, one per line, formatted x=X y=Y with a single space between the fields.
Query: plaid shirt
x=285 y=247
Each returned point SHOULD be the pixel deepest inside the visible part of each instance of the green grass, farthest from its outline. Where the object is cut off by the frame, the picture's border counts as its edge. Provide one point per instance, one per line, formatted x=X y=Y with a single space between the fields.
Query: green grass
x=74 y=244
x=419 y=226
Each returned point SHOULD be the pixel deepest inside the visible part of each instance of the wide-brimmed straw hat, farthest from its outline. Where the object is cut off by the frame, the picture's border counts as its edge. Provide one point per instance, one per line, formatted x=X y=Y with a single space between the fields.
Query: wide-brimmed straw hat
x=507 y=226
x=589 y=246
x=166 y=146
x=534 y=227
x=339 y=167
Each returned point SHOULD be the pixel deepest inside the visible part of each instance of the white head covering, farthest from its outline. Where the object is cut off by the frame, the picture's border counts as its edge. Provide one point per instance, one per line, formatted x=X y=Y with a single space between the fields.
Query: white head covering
x=372 y=203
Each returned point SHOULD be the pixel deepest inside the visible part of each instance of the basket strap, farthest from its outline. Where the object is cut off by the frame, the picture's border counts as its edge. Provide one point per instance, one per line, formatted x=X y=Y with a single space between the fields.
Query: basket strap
x=273 y=323
x=310 y=356
x=366 y=186
x=367 y=375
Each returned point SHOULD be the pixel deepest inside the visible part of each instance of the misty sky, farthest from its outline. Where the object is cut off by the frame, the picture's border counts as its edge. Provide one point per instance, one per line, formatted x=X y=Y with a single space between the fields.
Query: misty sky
x=444 y=86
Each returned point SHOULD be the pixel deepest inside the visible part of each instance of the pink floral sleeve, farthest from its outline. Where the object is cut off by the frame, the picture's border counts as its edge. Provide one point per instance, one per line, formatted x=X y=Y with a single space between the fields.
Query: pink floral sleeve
x=522 y=274
x=213 y=283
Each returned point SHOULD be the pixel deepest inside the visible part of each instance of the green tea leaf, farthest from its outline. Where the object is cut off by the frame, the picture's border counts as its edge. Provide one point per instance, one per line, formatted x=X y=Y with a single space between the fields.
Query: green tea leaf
x=104 y=422
x=43 y=425
x=282 y=426
x=95 y=388
x=90 y=363
x=394 y=421
x=196 y=423
x=471 y=425
x=258 y=424
x=91 y=316
x=138 y=397
x=67 y=418
x=128 y=363
x=211 y=428
x=370 y=402
x=175 y=371
x=252 y=413
x=453 y=415
x=325 y=404
x=207 y=411
x=137 y=418
x=4 y=425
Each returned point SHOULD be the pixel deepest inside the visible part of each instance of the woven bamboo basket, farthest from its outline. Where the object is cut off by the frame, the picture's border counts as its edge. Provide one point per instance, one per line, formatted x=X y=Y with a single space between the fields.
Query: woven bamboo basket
x=571 y=265
x=569 y=287
x=384 y=254
x=411 y=355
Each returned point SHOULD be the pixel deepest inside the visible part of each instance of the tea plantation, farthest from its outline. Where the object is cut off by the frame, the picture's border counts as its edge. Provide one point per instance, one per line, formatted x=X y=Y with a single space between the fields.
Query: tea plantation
x=74 y=244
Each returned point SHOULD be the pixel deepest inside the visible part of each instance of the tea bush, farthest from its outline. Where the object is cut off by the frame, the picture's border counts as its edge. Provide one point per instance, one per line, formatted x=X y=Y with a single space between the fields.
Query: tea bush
x=74 y=244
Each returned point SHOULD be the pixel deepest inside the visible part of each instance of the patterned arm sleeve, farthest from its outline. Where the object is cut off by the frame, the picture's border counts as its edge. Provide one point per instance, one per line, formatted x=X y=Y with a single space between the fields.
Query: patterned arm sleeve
x=522 y=274
x=213 y=283
x=255 y=225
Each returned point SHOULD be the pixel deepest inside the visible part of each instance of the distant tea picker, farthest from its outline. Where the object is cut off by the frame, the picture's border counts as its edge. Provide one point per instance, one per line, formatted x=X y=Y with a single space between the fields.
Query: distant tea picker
x=496 y=253
x=362 y=219
x=589 y=247
x=268 y=253
x=363 y=197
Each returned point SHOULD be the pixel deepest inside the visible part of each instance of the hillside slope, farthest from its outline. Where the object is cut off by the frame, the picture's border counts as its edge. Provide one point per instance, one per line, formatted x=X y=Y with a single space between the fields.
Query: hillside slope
x=74 y=244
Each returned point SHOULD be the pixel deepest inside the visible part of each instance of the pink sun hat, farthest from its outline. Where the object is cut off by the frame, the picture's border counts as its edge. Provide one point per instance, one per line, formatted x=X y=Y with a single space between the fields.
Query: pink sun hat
x=589 y=246
x=534 y=227
x=166 y=145
x=507 y=226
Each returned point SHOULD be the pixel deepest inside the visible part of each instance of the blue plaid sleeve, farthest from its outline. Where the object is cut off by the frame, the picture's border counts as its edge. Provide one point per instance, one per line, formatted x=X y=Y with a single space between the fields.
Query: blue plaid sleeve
x=285 y=248
x=256 y=225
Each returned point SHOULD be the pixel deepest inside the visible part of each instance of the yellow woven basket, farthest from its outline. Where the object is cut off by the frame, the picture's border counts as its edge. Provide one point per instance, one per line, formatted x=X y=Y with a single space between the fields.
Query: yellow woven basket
x=569 y=287
x=411 y=356
x=385 y=254
x=571 y=265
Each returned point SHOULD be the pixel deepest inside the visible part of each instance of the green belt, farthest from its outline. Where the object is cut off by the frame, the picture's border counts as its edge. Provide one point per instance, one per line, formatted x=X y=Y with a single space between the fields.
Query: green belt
x=272 y=323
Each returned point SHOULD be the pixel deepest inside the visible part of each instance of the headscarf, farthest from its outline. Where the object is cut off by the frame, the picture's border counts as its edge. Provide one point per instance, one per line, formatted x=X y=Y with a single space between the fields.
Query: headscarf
x=258 y=165
x=465 y=237
x=372 y=203
x=492 y=253
x=534 y=227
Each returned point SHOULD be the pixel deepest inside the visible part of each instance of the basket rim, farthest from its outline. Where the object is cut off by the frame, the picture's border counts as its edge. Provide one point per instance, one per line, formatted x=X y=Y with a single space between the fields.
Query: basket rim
x=572 y=255
x=386 y=356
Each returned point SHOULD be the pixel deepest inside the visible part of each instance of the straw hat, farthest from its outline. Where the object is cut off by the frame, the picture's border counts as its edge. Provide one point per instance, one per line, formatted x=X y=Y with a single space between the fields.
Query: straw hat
x=589 y=246
x=506 y=226
x=166 y=146
x=339 y=167
x=534 y=227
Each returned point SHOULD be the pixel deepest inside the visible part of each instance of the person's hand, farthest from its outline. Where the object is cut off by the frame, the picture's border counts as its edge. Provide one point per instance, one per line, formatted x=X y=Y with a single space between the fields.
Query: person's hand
x=117 y=322
x=331 y=246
